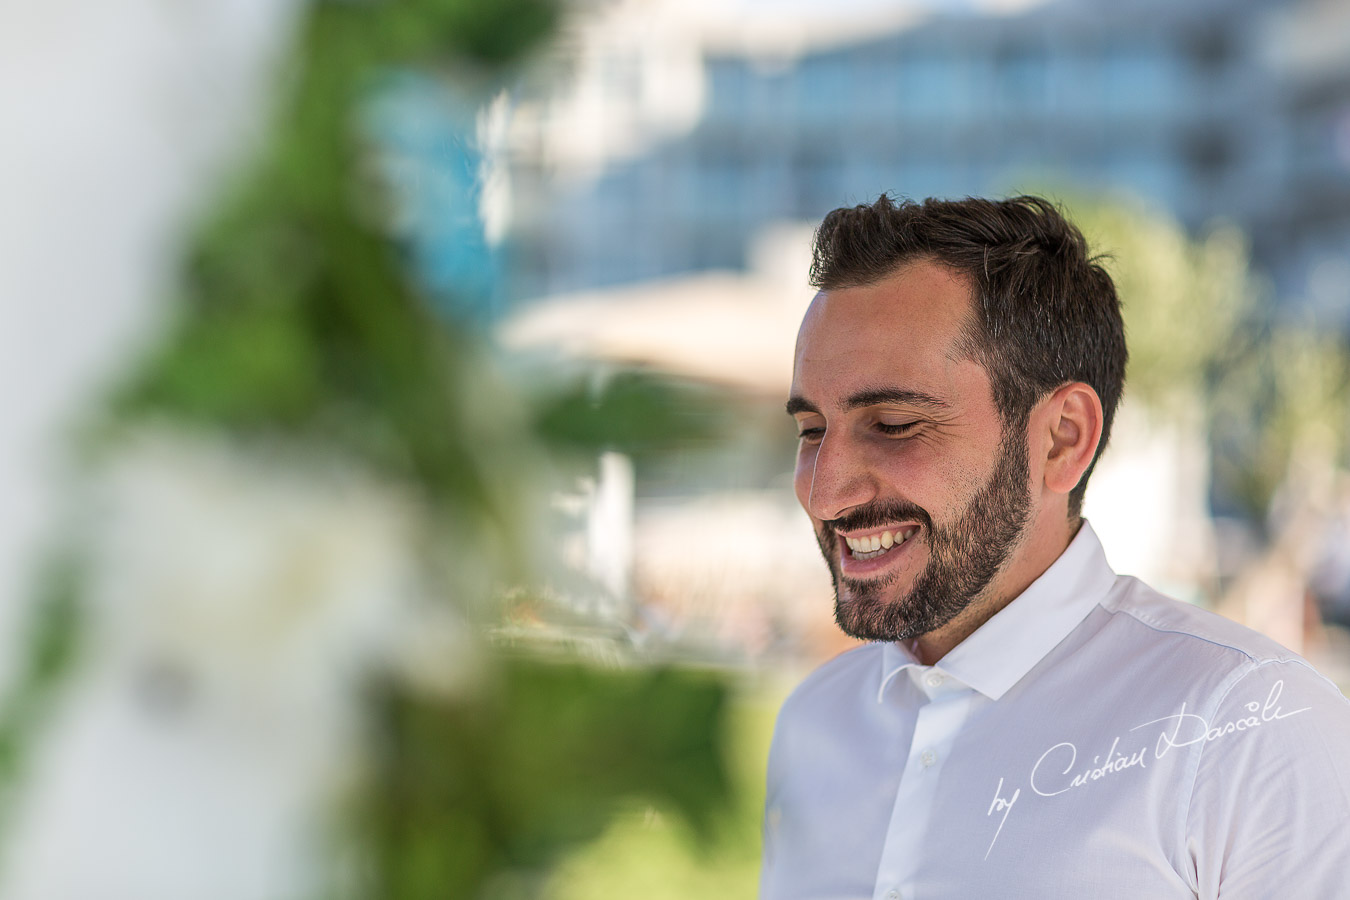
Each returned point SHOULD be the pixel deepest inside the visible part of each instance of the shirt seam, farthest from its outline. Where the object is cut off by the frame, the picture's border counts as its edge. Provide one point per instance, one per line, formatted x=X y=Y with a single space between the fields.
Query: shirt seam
x=1233 y=680
x=1250 y=664
x=1148 y=621
x=1187 y=797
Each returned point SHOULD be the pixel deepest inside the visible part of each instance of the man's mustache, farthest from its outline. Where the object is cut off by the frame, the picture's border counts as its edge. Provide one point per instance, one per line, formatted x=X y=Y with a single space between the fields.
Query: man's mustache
x=874 y=515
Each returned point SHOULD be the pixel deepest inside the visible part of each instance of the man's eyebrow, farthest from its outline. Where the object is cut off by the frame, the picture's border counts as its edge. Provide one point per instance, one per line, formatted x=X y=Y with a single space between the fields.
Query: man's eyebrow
x=908 y=396
x=873 y=397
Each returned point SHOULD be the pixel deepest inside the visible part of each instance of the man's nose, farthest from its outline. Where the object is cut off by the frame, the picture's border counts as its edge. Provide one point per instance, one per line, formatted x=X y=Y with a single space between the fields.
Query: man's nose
x=841 y=479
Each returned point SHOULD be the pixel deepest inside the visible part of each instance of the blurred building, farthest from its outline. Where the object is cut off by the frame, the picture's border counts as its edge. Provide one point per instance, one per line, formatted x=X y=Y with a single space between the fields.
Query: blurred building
x=1304 y=234
x=668 y=140
x=649 y=161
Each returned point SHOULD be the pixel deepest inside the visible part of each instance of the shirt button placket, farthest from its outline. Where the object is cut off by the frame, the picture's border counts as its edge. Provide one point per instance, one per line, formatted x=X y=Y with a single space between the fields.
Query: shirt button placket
x=935 y=728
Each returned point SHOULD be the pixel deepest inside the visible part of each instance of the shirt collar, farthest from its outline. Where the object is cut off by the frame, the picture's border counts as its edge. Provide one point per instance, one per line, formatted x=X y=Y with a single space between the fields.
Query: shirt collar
x=1003 y=649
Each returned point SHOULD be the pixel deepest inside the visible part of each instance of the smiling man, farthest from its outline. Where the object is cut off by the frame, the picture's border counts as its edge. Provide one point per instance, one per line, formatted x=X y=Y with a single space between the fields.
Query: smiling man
x=1025 y=723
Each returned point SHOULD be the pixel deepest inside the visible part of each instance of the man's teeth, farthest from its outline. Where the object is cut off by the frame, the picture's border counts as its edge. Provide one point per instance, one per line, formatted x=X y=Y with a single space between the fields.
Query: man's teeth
x=874 y=545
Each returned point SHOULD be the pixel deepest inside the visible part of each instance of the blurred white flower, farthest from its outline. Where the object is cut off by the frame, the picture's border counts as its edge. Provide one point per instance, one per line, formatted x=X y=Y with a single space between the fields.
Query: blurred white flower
x=236 y=598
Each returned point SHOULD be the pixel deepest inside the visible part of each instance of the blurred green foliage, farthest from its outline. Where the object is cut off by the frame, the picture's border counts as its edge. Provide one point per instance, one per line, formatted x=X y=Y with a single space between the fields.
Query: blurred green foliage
x=50 y=650
x=1184 y=299
x=646 y=854
x=1280 y=399
x=1205 y=344
x=298 y=317
x=482 y=796
x=299 y=324
x=641 y=414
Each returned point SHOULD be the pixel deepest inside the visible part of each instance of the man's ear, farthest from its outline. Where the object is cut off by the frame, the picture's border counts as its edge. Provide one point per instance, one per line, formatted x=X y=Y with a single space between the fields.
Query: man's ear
x=1073 y=416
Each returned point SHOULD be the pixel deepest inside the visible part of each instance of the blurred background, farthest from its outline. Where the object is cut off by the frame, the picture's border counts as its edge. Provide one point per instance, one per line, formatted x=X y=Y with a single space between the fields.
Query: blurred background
x=396 y=487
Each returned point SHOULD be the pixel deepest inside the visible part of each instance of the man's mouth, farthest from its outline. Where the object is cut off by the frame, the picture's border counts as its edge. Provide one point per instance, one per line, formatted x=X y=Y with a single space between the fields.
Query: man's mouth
x=871 y=546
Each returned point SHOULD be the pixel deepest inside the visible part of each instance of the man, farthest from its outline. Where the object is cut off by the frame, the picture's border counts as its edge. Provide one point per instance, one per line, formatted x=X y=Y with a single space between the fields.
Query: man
x=1026 y=724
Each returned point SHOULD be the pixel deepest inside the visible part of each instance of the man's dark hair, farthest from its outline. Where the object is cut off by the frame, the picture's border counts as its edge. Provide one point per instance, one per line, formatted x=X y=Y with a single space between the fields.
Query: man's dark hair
x=1046 y=312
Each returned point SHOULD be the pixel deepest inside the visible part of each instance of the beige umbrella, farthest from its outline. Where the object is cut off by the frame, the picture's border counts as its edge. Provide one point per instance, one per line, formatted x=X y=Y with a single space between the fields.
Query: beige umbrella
x=719 y=326
x=731 y=328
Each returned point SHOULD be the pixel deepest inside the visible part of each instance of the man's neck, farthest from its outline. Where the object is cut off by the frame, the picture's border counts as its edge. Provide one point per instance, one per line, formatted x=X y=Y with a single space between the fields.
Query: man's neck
x=1040 y=550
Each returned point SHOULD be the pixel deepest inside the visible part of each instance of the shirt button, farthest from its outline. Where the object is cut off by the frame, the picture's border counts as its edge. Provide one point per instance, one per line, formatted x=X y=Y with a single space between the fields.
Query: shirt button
x=928 y=757
x=892 y=895
x=934 y=679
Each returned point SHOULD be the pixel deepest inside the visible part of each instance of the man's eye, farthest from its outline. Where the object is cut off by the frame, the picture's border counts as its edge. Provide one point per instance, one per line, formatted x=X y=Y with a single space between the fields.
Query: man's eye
x=902 y=428
x=810 y=434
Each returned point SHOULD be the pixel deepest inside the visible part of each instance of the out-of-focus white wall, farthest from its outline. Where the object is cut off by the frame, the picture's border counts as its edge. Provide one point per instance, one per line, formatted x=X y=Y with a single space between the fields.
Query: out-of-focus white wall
x=118 y=119
x=115 y=116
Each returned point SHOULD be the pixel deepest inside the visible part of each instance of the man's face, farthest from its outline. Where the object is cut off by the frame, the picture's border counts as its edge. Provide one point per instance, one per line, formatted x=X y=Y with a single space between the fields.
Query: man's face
x=917 y=496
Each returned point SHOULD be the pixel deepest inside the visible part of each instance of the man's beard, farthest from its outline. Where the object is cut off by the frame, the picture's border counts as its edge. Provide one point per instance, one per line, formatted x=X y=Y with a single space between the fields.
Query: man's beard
x=963 y=556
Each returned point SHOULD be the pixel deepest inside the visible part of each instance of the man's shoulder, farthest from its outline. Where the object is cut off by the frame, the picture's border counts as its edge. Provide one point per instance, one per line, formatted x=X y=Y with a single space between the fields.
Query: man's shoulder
x=1161 y=618
x=1164 y=640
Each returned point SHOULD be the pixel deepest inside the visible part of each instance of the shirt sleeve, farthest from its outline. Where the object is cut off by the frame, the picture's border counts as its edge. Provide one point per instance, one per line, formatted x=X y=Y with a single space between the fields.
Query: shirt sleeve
x=1269 y=812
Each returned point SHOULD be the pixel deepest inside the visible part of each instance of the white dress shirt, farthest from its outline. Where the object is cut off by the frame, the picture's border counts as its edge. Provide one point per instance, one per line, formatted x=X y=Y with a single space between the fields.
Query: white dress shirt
x=1094 y=739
